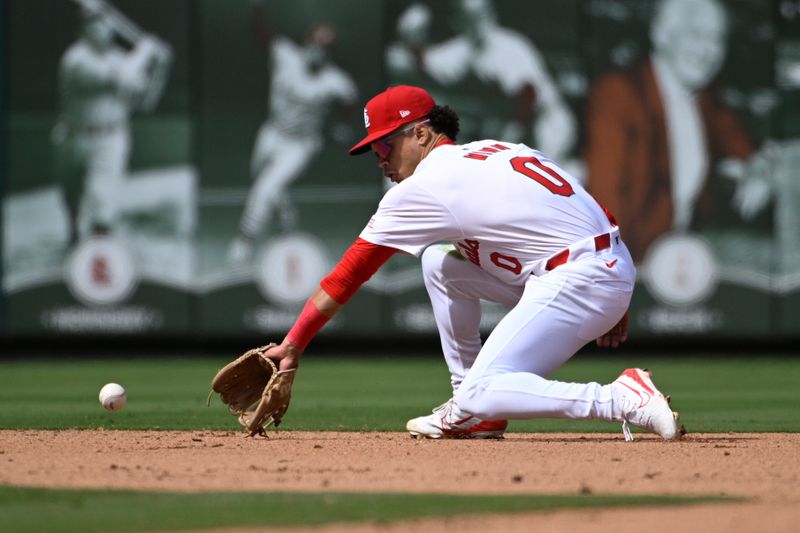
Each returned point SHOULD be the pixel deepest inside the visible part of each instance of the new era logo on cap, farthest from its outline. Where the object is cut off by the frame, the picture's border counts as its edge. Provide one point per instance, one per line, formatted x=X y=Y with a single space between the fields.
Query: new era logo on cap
x=391 y=109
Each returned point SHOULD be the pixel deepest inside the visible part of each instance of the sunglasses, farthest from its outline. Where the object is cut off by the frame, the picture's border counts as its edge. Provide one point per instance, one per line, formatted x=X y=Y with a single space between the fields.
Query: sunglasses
x=382 y=147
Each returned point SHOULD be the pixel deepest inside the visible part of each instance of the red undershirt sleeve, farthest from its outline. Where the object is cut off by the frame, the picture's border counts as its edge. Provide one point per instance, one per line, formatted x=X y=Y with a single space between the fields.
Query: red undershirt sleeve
x=357 y=265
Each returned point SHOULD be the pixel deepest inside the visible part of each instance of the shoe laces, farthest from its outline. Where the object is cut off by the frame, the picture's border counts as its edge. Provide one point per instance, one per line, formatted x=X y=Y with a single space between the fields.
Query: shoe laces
x=450 y=414
x=628 y=413
x=626 y=431
x=442 y=408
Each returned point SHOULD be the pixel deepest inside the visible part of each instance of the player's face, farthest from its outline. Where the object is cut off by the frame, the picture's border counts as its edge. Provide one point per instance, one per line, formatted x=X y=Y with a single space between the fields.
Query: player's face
x=697 y=47
x=320 y=40
x=316 y=55
x=98 y=32
x=398 y=153
x=474 y=17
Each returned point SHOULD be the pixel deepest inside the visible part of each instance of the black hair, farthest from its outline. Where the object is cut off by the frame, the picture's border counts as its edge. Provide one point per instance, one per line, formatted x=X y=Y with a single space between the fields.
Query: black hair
x=444 y=120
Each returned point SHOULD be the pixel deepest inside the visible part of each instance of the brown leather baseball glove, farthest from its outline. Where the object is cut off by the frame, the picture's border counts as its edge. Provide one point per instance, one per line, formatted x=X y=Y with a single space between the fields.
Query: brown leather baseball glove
x=255 y=390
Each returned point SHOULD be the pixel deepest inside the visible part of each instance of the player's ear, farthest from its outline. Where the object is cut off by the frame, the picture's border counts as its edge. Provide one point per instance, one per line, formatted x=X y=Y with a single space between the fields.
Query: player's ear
x=423 y=133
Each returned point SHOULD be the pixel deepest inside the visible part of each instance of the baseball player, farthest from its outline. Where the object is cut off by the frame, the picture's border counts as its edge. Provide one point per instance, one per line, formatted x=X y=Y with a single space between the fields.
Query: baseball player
x=523 y=233
x=101 y=83
x=304 y=86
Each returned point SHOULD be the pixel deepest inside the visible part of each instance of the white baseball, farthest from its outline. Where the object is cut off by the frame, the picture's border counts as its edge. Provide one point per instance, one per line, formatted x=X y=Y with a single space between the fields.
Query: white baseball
x=113 y=396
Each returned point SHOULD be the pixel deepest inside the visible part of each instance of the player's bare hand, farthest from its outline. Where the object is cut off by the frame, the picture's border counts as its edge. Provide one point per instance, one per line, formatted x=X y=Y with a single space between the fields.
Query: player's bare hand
x=616 y=335
x=92 y=7
x=148 y=44
x=751 y=196
x=287 y=354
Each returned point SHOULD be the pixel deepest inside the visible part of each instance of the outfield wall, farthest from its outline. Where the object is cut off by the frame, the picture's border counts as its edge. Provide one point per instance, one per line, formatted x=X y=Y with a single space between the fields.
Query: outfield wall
x=704 y=181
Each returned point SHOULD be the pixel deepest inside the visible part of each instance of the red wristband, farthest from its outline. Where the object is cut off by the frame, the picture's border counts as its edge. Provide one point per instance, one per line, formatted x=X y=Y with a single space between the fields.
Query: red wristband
x=306 y=326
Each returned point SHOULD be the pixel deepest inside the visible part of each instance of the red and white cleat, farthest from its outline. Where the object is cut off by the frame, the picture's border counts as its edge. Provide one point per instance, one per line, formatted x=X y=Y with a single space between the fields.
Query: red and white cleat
x=642 y=405
x=450 y=422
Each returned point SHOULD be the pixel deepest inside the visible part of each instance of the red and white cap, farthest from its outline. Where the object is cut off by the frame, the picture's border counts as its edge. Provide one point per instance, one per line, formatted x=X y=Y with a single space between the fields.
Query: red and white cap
x=391 y=109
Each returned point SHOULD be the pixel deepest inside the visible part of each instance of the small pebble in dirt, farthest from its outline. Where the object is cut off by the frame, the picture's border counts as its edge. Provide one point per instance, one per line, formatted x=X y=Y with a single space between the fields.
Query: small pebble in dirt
x=517 y=479
x=114 y=467
x=585 y=489
x=726 y=453
x=317 y=446
x=195 y=439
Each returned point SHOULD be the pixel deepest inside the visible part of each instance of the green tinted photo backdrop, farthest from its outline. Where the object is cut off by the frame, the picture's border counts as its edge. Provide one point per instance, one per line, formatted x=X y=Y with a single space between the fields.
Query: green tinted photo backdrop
x=333 y=197
x=216 y=100
x=37 y=33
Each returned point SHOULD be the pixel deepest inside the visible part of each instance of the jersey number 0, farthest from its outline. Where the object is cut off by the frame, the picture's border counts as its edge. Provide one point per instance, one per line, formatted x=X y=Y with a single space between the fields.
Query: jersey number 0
x=535 y=170
x=546 y=177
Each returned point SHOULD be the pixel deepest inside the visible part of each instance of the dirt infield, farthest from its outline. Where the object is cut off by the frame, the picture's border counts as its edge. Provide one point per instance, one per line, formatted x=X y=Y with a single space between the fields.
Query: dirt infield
x=761 y=467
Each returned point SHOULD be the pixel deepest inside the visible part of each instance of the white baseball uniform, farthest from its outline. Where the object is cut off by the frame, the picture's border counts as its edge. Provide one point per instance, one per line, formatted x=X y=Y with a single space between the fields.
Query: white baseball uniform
x=512 y=214
x=98 y=91
x=287 y=142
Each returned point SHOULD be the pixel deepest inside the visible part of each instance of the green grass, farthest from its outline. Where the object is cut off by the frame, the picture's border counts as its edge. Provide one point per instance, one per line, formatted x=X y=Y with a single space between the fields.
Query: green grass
x=52 y=511
x=353 y=394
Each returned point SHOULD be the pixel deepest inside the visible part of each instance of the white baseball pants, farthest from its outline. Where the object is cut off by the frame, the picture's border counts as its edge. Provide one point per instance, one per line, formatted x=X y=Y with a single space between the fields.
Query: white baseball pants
x=277 y=161
x=552 y=316
x=103 y=156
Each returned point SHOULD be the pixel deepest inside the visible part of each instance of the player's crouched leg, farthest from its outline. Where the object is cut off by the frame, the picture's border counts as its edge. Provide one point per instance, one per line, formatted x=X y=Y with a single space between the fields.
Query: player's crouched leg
x=524 y=395
x=456 y=287
x=451 y=420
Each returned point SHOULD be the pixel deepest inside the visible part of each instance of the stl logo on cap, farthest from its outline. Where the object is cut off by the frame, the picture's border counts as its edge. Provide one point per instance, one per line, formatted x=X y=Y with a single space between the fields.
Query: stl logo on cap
x=394 y=107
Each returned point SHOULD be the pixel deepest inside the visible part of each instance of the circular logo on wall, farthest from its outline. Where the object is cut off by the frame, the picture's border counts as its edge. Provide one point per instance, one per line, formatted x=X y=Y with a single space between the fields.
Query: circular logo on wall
x=290 y=268
x=101 y=272
x=680 y=270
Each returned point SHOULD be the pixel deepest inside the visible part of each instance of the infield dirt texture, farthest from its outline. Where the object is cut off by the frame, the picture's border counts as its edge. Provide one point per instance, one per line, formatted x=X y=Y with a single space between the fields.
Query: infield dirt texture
x=343 y=436
x=762 y=468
